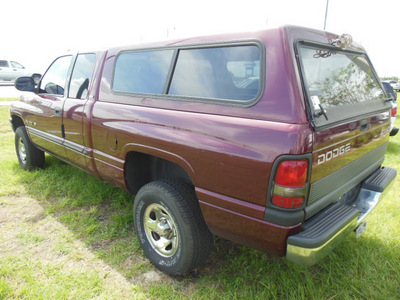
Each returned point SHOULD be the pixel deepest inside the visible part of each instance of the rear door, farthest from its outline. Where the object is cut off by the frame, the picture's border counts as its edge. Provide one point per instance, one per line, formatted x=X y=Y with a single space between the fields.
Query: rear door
x=74 y=112
x=350 y=114
x=18 y=70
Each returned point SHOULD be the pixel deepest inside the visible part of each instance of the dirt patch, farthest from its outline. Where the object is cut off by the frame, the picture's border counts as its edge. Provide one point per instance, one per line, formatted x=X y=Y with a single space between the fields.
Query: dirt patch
x=26 y=232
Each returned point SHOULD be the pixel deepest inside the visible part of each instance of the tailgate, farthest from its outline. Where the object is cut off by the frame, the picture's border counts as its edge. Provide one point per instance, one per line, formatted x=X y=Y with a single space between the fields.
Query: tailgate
x=349 y=111
x=344 y=156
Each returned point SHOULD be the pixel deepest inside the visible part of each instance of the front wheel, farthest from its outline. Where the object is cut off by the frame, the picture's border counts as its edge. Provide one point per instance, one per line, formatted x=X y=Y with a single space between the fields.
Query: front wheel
x=29 y=156
x=170 y=226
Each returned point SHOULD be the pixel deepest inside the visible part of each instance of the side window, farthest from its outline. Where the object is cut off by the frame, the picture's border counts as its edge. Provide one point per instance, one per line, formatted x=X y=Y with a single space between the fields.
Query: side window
x=3 y=63
x=81 y=76
x=231 y=73
x=142 y=72
x=14 y=64
x=54 y=80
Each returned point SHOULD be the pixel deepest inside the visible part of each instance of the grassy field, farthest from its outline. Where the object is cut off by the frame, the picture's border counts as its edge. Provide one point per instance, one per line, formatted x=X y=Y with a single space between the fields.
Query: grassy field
x=66 y=235
x=9 y=99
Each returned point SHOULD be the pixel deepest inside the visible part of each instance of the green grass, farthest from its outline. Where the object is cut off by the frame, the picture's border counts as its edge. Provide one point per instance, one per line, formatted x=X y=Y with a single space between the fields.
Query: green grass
x=65 y=234
x=9 y=99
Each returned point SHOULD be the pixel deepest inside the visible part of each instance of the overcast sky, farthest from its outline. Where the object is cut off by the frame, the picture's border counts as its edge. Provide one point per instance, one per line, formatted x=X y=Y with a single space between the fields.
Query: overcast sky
x=34 y=32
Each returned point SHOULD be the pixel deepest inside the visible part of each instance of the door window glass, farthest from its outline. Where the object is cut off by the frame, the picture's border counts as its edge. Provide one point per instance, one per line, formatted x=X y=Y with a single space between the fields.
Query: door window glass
x=81 y=76
x=53 y=82
x=14 y=64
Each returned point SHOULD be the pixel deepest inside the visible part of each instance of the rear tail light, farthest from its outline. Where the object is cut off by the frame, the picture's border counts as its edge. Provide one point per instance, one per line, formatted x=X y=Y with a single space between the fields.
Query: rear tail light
x=290 y=184
x=394 y=111
x=286 y=202
x=292 y=173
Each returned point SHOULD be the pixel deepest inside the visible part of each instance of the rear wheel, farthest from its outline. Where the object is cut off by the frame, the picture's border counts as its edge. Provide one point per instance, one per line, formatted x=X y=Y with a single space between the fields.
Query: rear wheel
x=29 y=156
x=170 y=226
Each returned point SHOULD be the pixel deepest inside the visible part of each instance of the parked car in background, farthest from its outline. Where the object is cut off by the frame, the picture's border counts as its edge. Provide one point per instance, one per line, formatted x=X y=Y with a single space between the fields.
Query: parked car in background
x=395 y=84
x=11 y=70
x=389 y=90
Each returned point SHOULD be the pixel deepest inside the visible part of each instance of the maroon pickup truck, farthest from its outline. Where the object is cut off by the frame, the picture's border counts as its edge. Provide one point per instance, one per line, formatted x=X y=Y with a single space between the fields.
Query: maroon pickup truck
x=272 y=139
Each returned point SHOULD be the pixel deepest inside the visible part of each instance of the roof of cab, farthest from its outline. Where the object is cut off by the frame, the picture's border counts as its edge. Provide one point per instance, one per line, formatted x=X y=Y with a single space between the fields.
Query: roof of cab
x=293 y=33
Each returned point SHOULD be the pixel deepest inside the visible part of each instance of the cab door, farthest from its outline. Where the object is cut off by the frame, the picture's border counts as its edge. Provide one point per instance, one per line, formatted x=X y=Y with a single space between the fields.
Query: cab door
x=44 y=123
x=18 y=70
x=75 y=117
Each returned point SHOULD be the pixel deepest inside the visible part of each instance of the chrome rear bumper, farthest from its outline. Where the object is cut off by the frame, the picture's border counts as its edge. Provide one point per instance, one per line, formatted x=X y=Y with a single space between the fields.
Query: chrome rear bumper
x=329 y=227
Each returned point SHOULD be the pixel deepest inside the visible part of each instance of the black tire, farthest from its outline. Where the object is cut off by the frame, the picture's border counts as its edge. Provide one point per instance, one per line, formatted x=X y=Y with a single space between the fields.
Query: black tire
x=170 y=226
x=29 y=156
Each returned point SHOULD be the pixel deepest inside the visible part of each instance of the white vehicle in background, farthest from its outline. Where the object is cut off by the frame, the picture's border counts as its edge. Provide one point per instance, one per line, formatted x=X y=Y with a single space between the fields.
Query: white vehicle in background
x=395 y=84
x=11 y=70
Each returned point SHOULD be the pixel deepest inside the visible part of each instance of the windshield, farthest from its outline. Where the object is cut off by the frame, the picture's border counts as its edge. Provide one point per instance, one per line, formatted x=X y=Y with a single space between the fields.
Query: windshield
x=339 y=84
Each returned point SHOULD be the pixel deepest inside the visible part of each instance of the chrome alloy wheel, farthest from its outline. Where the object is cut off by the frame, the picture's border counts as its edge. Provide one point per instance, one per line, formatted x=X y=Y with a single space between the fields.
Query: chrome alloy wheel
x=161 y=230
x=21 y=150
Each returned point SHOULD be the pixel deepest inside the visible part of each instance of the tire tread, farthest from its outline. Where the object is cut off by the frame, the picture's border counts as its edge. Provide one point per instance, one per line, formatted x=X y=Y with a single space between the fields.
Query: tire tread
x=185 y=199
x=35 y=157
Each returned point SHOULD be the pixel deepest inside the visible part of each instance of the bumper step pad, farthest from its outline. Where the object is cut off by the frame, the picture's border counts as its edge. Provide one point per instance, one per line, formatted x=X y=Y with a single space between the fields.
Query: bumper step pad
x=324 y=226
x=379 y=180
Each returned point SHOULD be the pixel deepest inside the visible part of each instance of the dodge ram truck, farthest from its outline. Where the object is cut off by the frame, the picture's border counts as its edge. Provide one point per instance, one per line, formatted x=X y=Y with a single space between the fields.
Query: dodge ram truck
x=272 y=139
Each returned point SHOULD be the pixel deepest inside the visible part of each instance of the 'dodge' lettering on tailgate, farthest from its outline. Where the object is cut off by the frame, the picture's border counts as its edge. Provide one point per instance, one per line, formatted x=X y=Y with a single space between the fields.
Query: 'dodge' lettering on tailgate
x=331 y=154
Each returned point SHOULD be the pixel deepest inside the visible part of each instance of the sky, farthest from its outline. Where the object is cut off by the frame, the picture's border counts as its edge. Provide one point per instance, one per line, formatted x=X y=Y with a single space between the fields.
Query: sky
x=34 y=33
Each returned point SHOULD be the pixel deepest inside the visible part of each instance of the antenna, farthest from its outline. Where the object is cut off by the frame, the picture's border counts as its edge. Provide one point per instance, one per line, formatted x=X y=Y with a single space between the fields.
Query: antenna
x=326 y=13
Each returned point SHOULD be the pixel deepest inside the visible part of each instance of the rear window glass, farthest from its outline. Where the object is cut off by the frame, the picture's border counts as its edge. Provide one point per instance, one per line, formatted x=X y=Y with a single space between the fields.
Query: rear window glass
x=142 y=72
x=339 y=82
x=3 y=63
x=231 y=73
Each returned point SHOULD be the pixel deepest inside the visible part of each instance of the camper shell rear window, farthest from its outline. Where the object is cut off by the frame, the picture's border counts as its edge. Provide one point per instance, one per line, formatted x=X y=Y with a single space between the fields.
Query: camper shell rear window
x=217 y=73
x=339 y=84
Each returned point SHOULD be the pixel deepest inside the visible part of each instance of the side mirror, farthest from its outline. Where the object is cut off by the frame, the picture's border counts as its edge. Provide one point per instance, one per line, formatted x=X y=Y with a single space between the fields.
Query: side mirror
x=25 y=84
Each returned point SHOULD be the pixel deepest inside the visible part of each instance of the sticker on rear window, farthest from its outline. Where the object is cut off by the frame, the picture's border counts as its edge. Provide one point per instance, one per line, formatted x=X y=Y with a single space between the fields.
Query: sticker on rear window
x=315 y=101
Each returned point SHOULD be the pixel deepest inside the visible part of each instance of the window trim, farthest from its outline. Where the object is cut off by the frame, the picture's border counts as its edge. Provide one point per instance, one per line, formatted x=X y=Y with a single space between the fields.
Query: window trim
x=177 y=48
